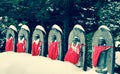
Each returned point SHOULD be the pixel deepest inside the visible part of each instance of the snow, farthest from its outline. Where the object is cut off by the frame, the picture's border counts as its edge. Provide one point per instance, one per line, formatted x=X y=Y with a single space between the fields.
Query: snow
x=1 y=18
x=92 y=71
x=23 y=63
x=40 y=28
x=117 y=56
x=80 y=27
x=25 y=27
x=117 y=43
x=105 y=27
x=57 y=27
x=20 y=24
x=13 y=27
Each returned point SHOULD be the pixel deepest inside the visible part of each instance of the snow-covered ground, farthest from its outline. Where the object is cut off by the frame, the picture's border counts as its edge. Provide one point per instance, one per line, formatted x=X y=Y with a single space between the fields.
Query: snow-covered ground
x=23 y=63
x=117 y=58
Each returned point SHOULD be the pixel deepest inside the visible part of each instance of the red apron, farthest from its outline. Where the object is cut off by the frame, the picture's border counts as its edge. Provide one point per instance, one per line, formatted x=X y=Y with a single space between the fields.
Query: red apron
x=73 y=54
x=53 y=50
x=96 y=53
x=21 y=46
x=36 y=48
x=9 y=45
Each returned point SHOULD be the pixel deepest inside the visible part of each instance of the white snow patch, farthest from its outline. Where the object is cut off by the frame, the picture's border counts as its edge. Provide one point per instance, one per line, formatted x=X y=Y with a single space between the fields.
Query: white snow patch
x=25 y=27
x=105 y=27
x=22 y=63
x=1 y=18
x=20 y=24
x=92 y=71
x=80 y=27
x=57 y=27
x=40 y=28
x=117 y=56
x=117 y=43
x=13 y=27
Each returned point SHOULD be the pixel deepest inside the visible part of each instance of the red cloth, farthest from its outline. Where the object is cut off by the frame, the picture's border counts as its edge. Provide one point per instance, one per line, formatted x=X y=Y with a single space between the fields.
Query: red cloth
x=53 y=50
x=21 y=46
x=9 y=45
x=96 y=54
x=36 y=48
x=73 y=54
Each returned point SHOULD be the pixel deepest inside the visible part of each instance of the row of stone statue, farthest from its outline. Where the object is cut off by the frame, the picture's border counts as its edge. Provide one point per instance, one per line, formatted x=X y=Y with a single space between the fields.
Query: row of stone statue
x=103 y=56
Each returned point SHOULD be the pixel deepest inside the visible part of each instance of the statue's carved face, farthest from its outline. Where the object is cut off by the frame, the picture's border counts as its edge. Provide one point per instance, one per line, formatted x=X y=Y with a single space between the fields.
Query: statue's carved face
x=54 y=38
x=21 y=37
x=101 y=42
x=9 y=35
x=37 y=37
x=76 y=40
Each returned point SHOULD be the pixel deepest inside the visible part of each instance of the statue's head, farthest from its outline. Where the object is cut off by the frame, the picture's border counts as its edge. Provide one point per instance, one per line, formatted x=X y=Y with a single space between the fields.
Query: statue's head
x=101 y=41
x=9 y=35
x=54 y=38
x=21 y=36
x=76 y=39
x=37 y=37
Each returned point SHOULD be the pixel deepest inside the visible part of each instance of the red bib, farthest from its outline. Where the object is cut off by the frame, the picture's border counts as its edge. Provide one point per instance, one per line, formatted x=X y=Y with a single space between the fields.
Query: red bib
x=73 y=54
x=53 y=50
x=21 y=46
x=36 y=48
x=9 y=45
x=96 y=54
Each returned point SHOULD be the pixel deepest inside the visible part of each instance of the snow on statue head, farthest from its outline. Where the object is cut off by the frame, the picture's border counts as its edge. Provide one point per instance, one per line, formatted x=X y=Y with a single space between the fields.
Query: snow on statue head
x=20 y=24
x=80 y=27
x=25 y=27
x=57 y=27
x=104 y=27
x=40 y=28
x=13 y=28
